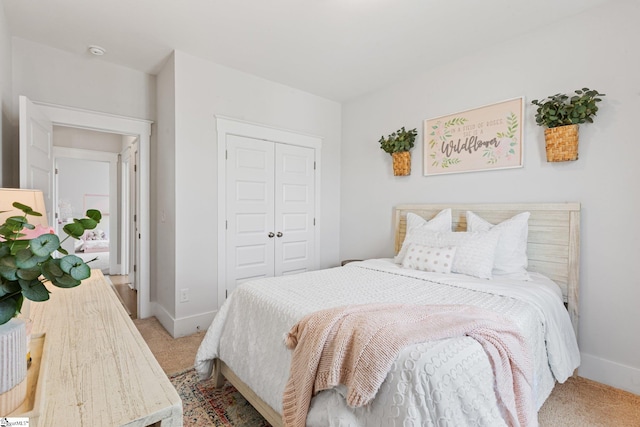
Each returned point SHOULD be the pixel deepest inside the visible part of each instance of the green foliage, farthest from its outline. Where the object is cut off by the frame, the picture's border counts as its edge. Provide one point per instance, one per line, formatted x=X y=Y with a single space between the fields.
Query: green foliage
x=400 y=140
x=561 y=110
x=456 y=121
x=512 y=126
x=26 y=264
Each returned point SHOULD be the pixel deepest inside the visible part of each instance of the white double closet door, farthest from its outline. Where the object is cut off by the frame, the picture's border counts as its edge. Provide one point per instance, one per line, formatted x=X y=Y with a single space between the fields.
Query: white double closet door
x=270 y=200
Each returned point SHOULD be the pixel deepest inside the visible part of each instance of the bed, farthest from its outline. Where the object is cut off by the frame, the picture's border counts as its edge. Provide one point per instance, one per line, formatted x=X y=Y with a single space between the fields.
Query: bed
x=93 y=246
x=446 y=380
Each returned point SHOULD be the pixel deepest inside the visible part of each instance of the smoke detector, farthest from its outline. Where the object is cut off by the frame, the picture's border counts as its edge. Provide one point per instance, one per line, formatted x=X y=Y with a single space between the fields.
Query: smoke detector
x=97 y=50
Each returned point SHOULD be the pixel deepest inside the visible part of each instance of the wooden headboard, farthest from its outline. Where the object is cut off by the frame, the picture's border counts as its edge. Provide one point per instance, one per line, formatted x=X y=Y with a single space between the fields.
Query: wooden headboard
x=553 y=245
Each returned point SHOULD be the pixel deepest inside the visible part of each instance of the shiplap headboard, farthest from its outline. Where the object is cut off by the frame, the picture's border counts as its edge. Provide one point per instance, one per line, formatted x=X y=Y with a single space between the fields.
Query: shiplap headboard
x=553 y=245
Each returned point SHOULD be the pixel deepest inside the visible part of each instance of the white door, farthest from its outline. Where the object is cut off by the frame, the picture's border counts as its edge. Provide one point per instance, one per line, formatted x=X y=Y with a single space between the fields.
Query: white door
x=250 y=210
x=294 y=209
x=36 y=153
x=270 y=199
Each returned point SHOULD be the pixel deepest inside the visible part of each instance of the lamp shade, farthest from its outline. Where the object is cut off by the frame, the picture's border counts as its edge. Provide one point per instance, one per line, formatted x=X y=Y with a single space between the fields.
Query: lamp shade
x=31 y=198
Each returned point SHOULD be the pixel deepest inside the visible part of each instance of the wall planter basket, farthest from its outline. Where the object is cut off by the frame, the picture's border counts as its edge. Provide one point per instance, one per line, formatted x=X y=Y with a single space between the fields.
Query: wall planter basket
x=401 y=163
x=561 y=114
x=561 y=143
x=399 y=144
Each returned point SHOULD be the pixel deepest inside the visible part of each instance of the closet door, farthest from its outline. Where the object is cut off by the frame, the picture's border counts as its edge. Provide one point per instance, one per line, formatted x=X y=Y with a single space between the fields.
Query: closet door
x=294 y=209
x=270 y=199
x=250 y=210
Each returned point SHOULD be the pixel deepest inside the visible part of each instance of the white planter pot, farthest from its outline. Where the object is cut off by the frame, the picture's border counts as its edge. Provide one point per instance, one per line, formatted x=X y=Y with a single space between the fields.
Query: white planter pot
x=13 y=365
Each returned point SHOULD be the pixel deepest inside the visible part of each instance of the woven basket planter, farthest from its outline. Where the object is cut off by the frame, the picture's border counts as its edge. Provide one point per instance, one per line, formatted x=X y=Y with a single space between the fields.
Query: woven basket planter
x=562 y=143
x=402 y=163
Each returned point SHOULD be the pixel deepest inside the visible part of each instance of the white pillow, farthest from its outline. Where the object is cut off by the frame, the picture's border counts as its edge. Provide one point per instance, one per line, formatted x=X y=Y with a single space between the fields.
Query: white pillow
x=416 y=225
x=427 y=258
x=511 y=253
x=474 y=250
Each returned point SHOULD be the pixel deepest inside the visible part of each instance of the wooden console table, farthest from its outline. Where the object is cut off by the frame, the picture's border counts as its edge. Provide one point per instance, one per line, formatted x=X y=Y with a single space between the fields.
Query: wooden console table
x=96 y=368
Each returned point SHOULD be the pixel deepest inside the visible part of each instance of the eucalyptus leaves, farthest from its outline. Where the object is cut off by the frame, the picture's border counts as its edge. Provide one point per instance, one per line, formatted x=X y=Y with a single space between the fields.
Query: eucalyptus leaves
x=26 y=264
x=398 y=141
x=561 y=110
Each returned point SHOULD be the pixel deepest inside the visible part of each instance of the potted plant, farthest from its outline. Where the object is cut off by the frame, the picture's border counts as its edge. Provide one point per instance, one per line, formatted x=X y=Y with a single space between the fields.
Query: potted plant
x=399 y=144
x=561 y=114
x=26 y=264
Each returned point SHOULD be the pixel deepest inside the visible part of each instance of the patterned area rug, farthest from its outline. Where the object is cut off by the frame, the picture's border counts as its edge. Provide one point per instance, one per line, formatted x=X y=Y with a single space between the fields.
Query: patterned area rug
x=204 y=405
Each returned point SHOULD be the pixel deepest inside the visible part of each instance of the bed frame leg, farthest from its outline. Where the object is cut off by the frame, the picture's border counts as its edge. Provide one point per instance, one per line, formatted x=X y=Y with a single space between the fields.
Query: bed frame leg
x=218 y=378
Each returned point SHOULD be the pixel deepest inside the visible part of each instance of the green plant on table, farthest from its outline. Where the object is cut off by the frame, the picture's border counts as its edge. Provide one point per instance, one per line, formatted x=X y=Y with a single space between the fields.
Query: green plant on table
x=398 y=141
x=560 y=109
x=26 y=264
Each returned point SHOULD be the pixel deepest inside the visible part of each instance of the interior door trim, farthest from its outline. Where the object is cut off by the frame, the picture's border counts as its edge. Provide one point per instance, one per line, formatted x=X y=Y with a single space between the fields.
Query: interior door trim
x=229 y=126
x=141 y=128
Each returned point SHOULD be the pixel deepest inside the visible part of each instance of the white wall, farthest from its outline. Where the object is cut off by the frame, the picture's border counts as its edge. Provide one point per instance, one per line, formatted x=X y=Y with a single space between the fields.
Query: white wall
x=55 y=76
x=6 y=126
x=164 y=239
x=202 y=90
x=78 y=177
x=84 y=139
x=597 y=49
x=83 y=81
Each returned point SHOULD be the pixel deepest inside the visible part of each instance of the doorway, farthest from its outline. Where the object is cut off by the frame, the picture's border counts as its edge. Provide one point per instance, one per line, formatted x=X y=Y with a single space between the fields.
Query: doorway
x=136 y=129
x=83 y=184
x=94 y=177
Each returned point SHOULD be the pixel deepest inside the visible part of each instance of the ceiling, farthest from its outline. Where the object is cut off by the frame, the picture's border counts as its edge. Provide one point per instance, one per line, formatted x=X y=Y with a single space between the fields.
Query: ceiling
x=337 y=49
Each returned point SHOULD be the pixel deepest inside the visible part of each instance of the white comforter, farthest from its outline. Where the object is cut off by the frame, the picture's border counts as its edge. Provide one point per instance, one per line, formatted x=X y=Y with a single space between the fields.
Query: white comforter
x=446 y=382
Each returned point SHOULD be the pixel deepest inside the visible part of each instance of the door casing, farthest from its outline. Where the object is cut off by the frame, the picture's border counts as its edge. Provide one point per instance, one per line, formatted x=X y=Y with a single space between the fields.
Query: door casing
x=140 y=128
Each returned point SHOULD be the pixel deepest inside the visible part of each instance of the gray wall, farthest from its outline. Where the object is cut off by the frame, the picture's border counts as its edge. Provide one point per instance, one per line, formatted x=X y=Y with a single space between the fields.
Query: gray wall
x=201 y=91
x=165 y=178
x=55 y=76
x=597 y=49
x=78 y=177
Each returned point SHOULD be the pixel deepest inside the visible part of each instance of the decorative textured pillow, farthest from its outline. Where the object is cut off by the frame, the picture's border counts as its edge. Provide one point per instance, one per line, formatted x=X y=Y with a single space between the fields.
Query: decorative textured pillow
x=416 y=225
x=427 y=258
x=96 y=234
x=511 y=253
x=475 y=251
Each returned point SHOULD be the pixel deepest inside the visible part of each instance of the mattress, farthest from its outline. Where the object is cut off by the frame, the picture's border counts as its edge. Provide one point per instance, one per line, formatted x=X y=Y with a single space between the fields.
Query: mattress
x=445 y=382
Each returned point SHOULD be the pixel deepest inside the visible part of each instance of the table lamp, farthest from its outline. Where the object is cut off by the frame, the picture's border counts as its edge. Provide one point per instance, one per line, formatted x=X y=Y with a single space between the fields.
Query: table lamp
x=32 y=198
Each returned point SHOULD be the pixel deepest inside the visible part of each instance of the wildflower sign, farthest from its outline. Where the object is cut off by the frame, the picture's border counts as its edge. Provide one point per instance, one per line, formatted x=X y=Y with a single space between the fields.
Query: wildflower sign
x=484 y=138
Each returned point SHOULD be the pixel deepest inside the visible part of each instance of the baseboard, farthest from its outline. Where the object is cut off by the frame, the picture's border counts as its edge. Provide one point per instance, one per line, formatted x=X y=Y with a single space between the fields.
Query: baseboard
x=163 y=316
x=611 y=373
x=190 y=325
x=185 y=325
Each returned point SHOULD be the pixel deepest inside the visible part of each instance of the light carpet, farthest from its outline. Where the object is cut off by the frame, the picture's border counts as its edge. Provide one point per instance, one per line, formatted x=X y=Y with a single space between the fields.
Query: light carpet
x=576 y=403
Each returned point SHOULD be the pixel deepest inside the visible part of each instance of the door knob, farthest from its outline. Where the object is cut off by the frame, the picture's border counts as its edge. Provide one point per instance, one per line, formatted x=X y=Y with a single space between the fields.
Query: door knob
x=271 y=234
x=279 y=234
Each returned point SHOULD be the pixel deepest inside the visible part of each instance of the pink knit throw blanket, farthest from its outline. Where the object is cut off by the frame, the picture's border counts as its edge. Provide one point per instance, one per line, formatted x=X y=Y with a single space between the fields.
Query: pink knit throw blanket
x=355 y=346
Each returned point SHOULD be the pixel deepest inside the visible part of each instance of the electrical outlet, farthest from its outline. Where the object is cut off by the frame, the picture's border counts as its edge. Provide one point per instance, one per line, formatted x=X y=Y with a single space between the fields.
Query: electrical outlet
x=184 y=295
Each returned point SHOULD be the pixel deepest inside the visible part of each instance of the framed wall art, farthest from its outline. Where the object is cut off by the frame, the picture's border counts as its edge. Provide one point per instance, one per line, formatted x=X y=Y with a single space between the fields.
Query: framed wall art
x=480 y=139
